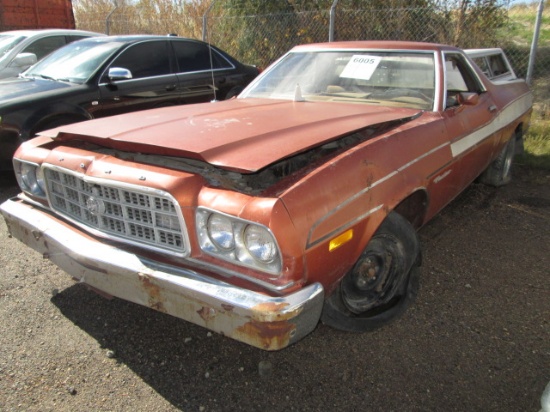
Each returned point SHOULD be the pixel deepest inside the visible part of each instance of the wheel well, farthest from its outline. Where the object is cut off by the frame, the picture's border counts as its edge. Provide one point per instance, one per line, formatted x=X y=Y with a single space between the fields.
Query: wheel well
x=519 y=131
x=413 y=208
x=56 y=121
x=518 y=135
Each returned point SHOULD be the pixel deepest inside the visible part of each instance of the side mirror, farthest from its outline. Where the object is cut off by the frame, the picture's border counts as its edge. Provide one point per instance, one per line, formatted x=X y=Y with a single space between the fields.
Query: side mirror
x=468 y=99
x=119 y=73
x=24 y=60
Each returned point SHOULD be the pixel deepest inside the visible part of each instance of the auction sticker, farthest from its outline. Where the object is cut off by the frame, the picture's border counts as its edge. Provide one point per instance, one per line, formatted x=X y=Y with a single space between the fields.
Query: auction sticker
x=361 y=67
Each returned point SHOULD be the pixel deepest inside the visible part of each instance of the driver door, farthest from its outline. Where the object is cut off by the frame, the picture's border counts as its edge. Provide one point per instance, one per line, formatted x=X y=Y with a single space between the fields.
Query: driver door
x=153 y=82
x=469 y=117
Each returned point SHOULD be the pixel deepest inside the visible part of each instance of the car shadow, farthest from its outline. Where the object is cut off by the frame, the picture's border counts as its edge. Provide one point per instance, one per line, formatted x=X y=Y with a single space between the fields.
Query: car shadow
x=188 y=365
x=184 y=363
x=8 y=185
x=463 y=276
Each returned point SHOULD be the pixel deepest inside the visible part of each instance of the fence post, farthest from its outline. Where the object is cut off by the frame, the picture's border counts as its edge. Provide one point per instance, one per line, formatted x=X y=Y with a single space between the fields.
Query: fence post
x=332 y=18
x=534 y=43
x=205 y=21
x=108 y=19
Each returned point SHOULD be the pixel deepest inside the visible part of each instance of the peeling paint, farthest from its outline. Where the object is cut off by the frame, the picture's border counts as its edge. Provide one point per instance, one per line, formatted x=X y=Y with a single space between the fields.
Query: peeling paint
x=271 y=336
x=155 y=295
x=207 y=314
x=228 y=308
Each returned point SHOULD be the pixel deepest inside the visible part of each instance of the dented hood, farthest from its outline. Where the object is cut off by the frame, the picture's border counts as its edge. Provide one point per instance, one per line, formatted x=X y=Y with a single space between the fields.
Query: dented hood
x=243 y=135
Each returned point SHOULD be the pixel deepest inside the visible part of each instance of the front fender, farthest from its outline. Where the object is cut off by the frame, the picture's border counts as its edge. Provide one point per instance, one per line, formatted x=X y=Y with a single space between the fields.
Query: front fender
x=40 y=118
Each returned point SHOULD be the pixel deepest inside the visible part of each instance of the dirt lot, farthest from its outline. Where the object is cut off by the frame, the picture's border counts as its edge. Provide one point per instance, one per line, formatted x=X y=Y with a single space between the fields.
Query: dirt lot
x=477 y=339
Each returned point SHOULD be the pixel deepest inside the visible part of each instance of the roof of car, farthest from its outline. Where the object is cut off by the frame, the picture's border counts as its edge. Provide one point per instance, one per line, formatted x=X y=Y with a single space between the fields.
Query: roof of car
x=42 y=32
x=369 y=44
x=136 y=37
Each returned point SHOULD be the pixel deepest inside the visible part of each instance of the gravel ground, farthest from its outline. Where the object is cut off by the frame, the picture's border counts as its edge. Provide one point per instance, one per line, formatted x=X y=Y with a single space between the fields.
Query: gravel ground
x=477 y=339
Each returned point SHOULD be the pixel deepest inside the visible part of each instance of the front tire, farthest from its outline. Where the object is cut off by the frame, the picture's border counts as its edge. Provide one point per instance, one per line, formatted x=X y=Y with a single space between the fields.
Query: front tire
x=383 y=282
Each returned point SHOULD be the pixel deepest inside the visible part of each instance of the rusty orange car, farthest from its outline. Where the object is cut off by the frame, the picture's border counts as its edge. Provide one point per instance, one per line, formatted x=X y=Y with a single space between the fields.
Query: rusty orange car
x=297 y=202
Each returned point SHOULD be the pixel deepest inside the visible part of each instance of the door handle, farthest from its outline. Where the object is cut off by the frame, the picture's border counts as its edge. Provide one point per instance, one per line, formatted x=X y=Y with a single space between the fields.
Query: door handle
x=170 y=88
x=492 y=108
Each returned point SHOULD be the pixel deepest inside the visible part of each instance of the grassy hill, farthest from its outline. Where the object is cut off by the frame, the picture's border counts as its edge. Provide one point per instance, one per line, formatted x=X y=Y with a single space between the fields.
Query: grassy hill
x=519 y=35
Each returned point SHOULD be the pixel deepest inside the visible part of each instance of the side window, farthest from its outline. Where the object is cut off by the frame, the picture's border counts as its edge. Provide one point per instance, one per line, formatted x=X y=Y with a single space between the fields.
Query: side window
x=219 y=61
x=192 y=57
x=43 y=47
x=146 y=59
x=70 y=39
x=498 y=66
x=460 y=78
x=483 y=65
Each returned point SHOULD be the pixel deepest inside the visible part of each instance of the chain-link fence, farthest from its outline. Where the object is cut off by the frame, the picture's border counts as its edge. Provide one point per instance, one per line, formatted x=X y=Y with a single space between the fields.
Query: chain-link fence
x=261 y=38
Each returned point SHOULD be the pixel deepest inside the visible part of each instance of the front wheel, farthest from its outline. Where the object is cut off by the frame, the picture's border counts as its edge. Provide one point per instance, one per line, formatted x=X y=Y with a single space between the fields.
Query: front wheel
x=383 y=282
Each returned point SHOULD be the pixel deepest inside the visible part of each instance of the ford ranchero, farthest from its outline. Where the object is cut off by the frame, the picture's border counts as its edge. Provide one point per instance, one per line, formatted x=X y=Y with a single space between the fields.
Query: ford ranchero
x=297 y=201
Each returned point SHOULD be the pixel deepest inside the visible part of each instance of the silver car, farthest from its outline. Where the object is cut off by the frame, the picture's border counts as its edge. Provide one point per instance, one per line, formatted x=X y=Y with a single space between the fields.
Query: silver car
x=20 y=49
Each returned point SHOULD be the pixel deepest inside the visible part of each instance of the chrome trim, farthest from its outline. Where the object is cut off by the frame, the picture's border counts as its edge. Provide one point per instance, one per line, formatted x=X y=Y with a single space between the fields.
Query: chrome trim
x=352 y=198
x=124 y=186
x=233 y=273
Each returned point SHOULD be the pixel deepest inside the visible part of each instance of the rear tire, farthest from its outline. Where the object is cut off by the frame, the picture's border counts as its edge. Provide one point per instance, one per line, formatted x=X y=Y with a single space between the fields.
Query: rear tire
x=382 y=284
x=499 y=171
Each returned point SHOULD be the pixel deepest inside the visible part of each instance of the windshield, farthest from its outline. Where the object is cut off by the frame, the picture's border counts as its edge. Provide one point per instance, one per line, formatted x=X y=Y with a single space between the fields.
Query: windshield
x=404 y=79
x=75 y=62
x=8 y=42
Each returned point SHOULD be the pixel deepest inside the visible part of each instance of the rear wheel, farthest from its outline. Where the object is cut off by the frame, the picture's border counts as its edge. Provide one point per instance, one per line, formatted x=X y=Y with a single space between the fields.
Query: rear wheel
x=499 y=171
x=383 y=282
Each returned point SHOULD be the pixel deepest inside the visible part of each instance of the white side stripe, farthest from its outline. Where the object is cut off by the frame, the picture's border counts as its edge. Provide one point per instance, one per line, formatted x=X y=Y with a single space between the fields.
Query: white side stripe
x=505 y=117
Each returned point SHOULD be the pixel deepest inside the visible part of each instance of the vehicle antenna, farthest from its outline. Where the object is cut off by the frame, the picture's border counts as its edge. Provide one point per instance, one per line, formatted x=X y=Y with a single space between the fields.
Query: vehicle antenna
x=212 y=72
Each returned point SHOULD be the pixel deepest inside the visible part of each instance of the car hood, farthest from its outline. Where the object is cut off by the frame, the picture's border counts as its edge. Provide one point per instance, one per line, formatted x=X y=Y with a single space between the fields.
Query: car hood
x=21 y=87
x=243 y=135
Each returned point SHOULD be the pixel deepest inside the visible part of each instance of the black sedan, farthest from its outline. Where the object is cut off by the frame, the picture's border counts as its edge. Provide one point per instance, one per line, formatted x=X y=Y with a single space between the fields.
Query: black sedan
x=104 y=76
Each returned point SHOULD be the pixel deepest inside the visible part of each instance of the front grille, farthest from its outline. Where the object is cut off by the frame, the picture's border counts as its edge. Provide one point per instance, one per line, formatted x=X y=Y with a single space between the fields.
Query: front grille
x=137 y=215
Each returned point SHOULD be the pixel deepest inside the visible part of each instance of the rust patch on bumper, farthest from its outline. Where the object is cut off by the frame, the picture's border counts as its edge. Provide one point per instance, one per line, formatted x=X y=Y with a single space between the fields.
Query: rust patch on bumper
x=228 y=308
x=153 y=291
x=207 y=314
x=272 y=335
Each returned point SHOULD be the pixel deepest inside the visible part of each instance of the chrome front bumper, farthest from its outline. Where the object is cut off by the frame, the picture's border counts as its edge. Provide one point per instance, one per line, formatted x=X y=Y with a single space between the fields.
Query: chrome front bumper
x=266 y=322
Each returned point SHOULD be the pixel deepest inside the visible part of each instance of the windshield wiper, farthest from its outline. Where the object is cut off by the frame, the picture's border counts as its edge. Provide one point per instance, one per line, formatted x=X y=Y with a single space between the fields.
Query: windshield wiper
x=46 y=77
x=35 y=76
